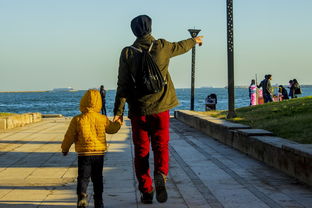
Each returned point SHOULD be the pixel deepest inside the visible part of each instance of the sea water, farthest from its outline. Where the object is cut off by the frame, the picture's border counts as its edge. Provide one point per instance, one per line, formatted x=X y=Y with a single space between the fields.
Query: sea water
x=67 y=103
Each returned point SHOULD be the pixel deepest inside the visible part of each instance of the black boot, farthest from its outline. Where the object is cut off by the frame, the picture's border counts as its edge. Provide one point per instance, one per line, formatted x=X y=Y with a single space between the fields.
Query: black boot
x=98 y=201
x=147 y=197
x=82 y=200
x=160 y=184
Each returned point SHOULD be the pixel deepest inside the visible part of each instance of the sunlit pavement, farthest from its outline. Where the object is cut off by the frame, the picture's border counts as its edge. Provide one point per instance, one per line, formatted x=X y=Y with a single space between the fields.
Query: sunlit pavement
x=203 y=172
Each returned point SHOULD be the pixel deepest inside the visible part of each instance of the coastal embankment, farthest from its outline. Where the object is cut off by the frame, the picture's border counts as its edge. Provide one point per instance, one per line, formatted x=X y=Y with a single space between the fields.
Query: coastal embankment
x=289 y=119
x=23 y=91
x=18 y=120
x=288 y=156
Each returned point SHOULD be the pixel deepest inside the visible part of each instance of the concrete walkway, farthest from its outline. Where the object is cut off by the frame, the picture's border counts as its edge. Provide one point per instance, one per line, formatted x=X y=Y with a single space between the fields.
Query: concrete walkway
x=203 y=174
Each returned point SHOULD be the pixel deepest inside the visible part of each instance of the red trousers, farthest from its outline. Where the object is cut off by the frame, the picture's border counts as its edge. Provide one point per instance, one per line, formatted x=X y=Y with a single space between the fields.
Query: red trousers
x=146 y=130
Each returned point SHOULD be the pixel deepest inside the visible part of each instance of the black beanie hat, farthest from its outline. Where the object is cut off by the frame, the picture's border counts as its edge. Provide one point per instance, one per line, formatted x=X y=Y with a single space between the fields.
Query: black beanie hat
x=141 y=25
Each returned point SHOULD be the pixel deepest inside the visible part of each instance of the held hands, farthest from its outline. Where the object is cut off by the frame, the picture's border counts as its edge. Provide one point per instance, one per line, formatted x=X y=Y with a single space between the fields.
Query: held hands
x=119 y=119
x=199 y=40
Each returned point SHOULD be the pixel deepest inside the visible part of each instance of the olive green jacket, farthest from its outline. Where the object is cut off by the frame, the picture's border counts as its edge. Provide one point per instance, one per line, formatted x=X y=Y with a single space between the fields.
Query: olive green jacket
x=161 y=51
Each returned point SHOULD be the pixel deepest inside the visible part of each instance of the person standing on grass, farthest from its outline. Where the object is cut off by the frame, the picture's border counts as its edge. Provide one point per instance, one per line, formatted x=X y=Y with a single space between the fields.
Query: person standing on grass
x=262 y=85
x=253 y=92
x=88 y=132
x=291 y=89
x=283 y=92
x=297 y=89
x=149 y=114
x=268 y=89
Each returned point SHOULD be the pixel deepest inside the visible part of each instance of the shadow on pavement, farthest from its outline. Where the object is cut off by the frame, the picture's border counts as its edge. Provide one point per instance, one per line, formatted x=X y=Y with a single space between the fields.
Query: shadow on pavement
x=32 y=204
x=29 y=142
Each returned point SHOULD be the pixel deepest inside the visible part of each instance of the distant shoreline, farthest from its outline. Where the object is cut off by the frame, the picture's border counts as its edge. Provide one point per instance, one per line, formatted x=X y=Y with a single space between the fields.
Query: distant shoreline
x=24 y=91
x=37 y=91
x=238 y=86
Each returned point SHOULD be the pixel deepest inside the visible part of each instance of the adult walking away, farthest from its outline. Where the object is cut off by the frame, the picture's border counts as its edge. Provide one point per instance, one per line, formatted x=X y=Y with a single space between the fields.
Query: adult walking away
x=149 y=113
x=103 y=96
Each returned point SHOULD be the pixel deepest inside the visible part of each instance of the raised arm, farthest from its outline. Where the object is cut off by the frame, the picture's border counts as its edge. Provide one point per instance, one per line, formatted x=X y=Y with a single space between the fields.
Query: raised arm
x=178 y=48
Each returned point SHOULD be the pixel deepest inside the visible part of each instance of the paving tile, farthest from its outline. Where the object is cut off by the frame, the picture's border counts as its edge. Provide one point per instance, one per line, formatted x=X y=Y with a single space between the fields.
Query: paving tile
x=203 y=172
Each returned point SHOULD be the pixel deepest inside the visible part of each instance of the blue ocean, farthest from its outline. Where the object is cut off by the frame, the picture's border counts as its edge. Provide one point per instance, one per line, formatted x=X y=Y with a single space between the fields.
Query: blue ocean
x=67 y=103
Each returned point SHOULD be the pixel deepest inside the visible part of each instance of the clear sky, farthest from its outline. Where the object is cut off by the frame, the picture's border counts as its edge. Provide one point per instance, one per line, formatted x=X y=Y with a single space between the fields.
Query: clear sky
x=46 y=44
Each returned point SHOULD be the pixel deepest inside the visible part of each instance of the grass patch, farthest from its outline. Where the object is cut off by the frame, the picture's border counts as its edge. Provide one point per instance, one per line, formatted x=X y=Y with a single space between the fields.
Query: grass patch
x=290 y=119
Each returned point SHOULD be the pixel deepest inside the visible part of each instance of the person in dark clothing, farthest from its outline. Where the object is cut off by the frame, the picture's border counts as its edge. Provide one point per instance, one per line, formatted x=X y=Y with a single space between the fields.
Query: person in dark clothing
x=268 y=90
x=283 y=91
x=211 y=102
x=291 y=89
x=103 y=96
x=297 y=89
x=262 y=83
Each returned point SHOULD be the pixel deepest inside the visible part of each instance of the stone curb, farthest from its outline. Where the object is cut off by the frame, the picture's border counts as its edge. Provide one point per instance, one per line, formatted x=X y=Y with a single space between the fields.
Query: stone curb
x=52 y=116
x=19 y=120
x=290 y=157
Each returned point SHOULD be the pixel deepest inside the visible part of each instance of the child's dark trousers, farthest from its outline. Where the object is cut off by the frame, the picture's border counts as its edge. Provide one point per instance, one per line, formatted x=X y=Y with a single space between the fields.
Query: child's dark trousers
x=90 y=166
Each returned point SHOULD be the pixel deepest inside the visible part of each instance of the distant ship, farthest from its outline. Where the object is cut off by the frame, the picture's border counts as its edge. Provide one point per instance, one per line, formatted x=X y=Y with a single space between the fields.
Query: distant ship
x=65 y=89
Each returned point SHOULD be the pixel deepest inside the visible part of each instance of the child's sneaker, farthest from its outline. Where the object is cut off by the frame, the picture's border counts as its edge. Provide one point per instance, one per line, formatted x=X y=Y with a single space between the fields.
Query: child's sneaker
x=98 y=201
x=160 y=184
x=98 y=204
x=147 y=198
x=82 y=200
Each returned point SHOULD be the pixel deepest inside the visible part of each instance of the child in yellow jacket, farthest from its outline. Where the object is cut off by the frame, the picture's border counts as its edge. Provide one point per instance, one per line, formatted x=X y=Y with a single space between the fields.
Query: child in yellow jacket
x=88 y=132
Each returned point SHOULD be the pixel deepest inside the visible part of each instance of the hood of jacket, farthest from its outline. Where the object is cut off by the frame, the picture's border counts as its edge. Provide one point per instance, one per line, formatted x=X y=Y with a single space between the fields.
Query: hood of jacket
x=144 y=42
x=91 y=102
x=141 y=25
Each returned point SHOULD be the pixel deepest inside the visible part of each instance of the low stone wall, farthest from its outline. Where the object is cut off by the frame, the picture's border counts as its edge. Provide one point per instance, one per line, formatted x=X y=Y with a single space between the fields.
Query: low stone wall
x=290 y=157
x=13 y=121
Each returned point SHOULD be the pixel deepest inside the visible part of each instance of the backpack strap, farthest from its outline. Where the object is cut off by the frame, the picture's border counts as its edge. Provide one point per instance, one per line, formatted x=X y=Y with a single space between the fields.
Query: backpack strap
x=150 y=48
x=137 y=49
x=140 y=50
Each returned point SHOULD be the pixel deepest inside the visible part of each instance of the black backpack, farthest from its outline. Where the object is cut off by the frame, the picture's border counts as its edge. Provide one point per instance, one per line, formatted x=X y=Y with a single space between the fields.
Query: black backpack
x=149 y=79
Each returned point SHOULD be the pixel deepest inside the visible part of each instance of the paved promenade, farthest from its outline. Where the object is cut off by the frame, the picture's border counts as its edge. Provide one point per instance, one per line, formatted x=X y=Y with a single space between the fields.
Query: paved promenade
x=203 y=172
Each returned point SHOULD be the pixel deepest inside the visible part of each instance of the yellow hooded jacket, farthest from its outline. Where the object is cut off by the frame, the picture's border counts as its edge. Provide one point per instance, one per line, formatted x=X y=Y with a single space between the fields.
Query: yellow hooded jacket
x=88 y=129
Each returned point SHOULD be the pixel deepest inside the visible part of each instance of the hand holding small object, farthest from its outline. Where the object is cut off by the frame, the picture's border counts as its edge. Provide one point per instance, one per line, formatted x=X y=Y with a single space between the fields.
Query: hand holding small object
x=199 y=40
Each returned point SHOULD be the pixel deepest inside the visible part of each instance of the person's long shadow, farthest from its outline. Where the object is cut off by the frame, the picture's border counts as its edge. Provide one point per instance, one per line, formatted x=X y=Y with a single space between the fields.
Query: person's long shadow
x=30 y=204
x=29 y=142
x=16 y=161
x=35 y=159
x=61 y=202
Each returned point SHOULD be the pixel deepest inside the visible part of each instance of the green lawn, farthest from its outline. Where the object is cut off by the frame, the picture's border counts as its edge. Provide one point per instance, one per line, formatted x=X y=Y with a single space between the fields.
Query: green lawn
x=290 y=119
